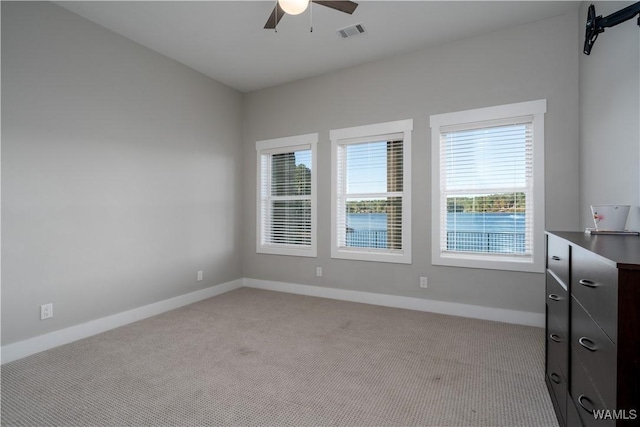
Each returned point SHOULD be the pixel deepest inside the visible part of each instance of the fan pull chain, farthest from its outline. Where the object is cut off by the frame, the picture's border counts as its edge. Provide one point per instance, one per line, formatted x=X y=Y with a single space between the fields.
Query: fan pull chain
x=275 y=25
x=311 y=16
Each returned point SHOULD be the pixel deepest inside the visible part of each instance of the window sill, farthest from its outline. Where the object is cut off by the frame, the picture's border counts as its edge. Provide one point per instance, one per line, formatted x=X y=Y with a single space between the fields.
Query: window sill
x=489 y=262
x=373 y=255
x=275 y=250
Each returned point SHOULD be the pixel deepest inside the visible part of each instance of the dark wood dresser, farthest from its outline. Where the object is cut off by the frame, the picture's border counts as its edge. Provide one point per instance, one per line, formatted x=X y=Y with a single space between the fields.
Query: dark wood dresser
x=593 y=328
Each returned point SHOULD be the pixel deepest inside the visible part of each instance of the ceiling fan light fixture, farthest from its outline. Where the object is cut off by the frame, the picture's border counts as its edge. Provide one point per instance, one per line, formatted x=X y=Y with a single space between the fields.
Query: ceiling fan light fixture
x=293 y=7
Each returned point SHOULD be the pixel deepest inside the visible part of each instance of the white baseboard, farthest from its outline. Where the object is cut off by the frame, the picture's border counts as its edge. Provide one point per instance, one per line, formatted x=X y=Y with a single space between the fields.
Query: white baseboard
x=432 y=306
x=20 y=349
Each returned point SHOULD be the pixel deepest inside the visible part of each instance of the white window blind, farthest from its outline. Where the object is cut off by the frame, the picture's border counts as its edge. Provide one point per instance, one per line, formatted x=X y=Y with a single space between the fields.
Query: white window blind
x=286 y=200
x=371 y=217
x=371 y=198
x=488 y=187
x=486 y=176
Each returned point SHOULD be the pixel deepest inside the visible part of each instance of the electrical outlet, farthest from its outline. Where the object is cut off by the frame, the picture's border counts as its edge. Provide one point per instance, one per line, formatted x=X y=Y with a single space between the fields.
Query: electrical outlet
x=46 y=311
x=200 y=276
x=319 y=271
x=423 y=282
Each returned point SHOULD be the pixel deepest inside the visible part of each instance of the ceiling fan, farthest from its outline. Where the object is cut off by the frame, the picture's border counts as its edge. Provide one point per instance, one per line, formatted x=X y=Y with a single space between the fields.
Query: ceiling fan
x=294 y=7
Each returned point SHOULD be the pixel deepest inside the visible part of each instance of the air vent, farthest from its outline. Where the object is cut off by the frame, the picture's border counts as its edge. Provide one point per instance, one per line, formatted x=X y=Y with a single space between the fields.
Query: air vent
x=351 y=30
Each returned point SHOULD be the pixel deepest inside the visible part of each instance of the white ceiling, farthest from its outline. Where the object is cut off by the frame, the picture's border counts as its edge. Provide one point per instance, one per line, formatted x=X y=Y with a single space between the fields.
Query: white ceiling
x=226 y=40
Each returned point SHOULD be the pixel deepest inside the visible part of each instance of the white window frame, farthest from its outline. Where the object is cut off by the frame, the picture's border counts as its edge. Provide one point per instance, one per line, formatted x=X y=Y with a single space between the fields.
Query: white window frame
x=359 y=134
x=534 y=263
x=284 y=145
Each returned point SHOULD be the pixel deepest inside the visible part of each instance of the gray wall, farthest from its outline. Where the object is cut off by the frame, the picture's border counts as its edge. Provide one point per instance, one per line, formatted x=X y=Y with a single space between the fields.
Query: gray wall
x=120 y=173
x=528 y=62
x=124 y=172
x=610 y=117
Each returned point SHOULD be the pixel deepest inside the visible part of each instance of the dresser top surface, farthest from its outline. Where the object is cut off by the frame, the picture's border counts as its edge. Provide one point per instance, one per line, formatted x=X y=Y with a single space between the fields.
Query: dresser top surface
x=621 y=251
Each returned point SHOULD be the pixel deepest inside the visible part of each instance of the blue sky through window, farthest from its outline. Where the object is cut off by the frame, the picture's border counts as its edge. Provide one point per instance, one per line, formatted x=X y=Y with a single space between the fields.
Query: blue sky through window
x=303 y=158
x=367 y=167
x=486 y=159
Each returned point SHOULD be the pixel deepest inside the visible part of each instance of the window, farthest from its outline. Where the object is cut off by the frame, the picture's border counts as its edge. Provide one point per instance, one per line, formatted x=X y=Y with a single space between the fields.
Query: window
x=286 y=205
x=371 y=192
x=488 y=187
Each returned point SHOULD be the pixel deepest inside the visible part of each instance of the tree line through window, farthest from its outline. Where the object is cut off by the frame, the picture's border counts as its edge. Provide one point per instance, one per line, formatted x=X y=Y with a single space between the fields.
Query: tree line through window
x=291 y=198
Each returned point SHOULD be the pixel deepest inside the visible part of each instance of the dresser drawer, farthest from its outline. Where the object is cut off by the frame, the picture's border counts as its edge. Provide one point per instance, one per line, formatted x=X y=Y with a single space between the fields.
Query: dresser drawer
x=558 y=258
x=595 y=351
x=557 y=349
x=559 y=388
x=585 y=398
x=557 y=304
x=595 y=285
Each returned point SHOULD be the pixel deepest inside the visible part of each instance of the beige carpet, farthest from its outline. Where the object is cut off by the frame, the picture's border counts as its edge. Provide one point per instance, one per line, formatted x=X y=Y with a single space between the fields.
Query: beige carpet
x=252 y=357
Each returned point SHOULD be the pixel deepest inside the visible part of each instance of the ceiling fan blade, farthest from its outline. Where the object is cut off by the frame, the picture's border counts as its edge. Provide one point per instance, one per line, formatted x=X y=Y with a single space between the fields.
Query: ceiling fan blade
x=343 y=6
x=275 y=17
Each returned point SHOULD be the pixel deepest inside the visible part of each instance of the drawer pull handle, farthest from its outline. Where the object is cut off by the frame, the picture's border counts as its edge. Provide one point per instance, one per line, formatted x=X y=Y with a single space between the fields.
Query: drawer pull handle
x=582 y=398
x=554 y=297
x=555 y=378
x=588 y=283
x=555 y=258
x=555 y=337
x=588 y=344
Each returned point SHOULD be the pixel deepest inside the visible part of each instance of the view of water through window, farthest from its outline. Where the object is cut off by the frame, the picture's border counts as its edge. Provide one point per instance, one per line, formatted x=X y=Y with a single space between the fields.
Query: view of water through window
x=494 y=232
